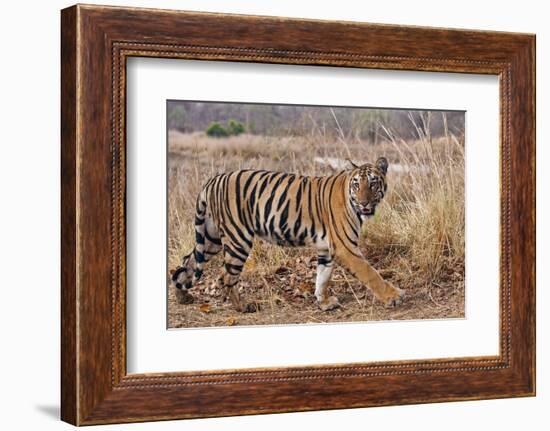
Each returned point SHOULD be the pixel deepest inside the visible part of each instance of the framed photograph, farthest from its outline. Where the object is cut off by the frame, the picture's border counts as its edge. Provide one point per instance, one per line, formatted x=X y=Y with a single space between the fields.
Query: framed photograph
x=322 y=214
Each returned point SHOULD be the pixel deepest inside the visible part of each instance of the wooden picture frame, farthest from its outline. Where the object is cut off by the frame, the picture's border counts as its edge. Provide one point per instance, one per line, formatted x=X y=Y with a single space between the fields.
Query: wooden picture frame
x=95 y=43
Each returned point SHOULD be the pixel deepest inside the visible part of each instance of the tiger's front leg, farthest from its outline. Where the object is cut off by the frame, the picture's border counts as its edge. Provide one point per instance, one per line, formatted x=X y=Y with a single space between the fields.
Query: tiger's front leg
x=324 y=272
x=384 y=291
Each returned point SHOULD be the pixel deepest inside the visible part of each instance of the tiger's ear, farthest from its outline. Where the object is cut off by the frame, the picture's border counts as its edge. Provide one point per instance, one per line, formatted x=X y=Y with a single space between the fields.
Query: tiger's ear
x=350 y=164
x=382 y=165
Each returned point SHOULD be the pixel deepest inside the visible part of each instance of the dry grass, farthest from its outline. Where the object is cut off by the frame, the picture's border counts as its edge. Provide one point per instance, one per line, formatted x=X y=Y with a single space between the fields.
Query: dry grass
x=416 y=239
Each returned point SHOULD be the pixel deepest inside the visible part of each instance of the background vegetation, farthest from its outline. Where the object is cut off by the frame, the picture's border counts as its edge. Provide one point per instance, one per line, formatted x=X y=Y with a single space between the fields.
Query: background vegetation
x=416 y=239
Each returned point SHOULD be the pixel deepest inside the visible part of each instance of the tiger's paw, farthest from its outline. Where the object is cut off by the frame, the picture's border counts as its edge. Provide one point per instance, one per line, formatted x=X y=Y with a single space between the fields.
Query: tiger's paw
x=395 y=296
x=329 y=303
x=184 y=297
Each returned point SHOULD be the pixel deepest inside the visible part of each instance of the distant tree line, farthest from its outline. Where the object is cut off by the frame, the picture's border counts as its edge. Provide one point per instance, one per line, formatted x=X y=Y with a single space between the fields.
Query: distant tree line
x=224 y=119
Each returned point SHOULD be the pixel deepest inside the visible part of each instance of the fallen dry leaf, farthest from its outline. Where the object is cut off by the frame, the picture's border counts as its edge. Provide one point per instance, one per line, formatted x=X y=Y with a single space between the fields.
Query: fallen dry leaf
x=205 y=308
x=306 y=287
x=231 y=321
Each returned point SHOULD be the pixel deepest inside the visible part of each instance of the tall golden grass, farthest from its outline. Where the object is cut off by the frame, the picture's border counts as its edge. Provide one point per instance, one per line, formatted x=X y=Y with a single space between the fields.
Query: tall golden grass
x=422 y=218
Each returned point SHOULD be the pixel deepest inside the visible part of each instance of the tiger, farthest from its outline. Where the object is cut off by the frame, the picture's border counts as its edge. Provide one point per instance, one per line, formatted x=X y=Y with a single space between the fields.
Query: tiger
x=287 y=209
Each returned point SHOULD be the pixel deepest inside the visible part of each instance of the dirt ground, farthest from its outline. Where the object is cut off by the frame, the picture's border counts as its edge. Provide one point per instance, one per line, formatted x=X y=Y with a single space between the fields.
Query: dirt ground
x=284 y=295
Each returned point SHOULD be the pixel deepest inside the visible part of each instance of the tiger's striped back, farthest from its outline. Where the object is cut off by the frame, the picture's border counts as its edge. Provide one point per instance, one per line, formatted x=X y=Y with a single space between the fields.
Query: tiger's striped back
x=284 y=209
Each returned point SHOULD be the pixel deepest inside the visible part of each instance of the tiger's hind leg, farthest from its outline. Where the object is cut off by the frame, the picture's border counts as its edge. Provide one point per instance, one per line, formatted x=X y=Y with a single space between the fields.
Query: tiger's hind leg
x=234 y=257
x=324 y=272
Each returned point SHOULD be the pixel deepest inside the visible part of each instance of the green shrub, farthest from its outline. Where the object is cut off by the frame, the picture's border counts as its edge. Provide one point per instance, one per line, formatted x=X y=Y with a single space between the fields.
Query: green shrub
x=235 y=127
x=216 y=130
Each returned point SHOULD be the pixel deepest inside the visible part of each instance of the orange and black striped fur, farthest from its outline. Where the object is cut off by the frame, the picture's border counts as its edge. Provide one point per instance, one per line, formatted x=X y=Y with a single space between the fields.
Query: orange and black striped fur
x=290 y=210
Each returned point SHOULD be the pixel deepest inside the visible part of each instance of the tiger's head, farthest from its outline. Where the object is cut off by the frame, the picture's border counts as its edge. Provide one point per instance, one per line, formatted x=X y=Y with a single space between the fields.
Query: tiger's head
x=367 y=186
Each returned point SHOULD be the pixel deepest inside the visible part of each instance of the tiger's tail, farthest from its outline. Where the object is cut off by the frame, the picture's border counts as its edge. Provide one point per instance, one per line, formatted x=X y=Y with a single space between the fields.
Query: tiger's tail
x=191 y=269
x=200 y=235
